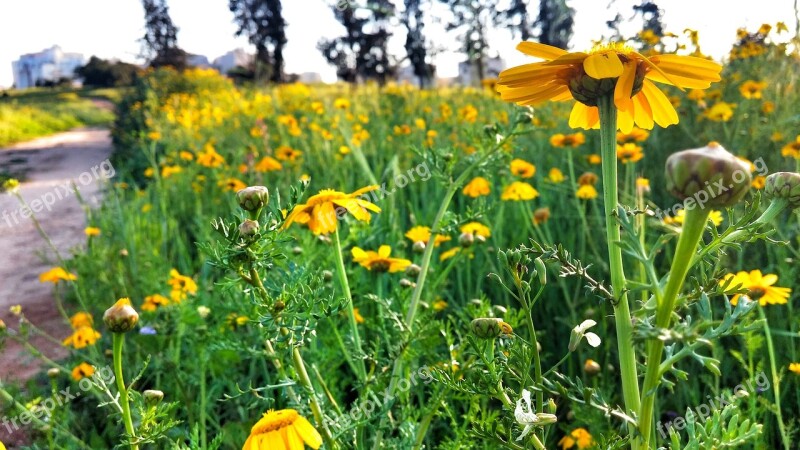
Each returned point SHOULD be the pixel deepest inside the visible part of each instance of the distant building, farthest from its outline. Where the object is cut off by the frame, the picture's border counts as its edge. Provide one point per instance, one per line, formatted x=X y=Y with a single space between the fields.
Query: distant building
x=233 y=59
x=309 y=78
x=50 y=64
x=468 y=71
x=200 y=61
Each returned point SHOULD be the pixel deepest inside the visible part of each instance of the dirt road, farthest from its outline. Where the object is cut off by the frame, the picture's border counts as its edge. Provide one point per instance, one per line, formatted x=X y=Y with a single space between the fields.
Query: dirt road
x=49 y=166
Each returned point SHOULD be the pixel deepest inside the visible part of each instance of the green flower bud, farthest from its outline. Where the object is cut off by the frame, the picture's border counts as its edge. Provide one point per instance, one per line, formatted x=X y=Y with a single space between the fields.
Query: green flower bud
x=490 y=327
x=708 y=177
x=152 y=397
x=466 y=239
x=541 y=270
x=121 y=317
x=413 y=270
x=785 y=185
x=418 y=247
x=406 y=283
x=327 y=275
x=546 y=419
x=54 y=372
x=253 y=198
x=248 y=228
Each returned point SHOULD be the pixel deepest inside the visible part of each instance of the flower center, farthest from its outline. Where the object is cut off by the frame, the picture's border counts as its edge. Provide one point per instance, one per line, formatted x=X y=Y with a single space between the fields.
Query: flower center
x=756 y=293
x=275 y=420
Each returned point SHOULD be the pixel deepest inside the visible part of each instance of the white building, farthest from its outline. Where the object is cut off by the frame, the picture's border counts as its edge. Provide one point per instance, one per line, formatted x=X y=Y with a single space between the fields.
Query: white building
x=468 y=70
x=48 y=65
x=233 y=59
x=309 y=78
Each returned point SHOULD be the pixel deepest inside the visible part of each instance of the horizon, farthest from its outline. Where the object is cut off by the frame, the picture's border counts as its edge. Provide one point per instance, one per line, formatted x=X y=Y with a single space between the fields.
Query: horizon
x=210 y=31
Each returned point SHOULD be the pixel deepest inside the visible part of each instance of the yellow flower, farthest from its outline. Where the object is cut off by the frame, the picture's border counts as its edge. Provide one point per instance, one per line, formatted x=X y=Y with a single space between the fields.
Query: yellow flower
x=358 y=316
x=792 y=149
x=235 y=321
x=380 y=261
x=209 y=157
x=767 y=107
x=186 y=156
x=81 y=319
x=629 y=153
x=152 y=302
x=586 y=192
x=696 y=95
x=781 y=27
x=91 y=231
x=343 y=150
x=439 y=304
x=477 y=187
x=341 y=103
x=594 y=159
x=759 y=287
x=423 y=234
x=720 y=112
x=642 y=185
x=286 y=153
x=83 y=336
x=567 y=140
x=519 y=190
x=477 y=229
x=541 y=215
x=752 y=89
x=82 y=371
x=283 y=430
x=468 y=114
x=611 y=69
x=795 y=367
x=555 y=175
x=168 y=171
x=181 y=285
x=522 y=168
x=154 y=135
x=636 y=135
x=579 y=437
x=232 y=185
x=759 y=181
x=268 y=164
x=55 y=275
x=449 y=254
x=322 y=211
x=715 y=217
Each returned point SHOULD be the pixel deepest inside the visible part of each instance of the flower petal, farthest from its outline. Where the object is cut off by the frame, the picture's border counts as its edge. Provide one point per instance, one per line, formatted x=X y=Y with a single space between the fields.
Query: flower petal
x=586 y=117
x=663 y=112
x=603 y=65
x=593 y=339
x=539 y=50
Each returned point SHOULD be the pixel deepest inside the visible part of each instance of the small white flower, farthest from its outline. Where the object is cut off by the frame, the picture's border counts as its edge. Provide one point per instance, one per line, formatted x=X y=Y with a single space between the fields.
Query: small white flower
x=580 y=332
x=527 y=418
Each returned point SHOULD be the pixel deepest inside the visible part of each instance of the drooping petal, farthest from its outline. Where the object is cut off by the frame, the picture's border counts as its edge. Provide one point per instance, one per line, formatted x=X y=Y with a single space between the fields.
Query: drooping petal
x=769 y=279
x=663 y=112
x=642 y=114
x=309 y=434
x=624 y=87
x=384 y=251
x=364 y=190
x=625 y=120
x=293 y=441
x=586 y=117
x=273 y=440
x=542 y=51
x=358 y=254
x=603 y=65
x=323 y=219
x=353 y=208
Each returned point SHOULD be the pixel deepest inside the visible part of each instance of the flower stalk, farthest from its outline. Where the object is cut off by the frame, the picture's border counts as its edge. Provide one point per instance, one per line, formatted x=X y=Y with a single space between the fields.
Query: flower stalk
x=359 y=368
x=622 y=312
x=118 y=340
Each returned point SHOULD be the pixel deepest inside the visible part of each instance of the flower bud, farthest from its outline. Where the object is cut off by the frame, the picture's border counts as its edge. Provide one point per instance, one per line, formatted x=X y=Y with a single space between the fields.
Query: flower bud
x=203 y=311
x=546 y=419
x=327 y=275
x=490 y=327
x=152 y=397
x=785 y=185
x=253 y=198
x=418 y=247
x=121 y=317
x=297 y=250
x=588 y=179
x=466 y=239
x=541 y=270
x=591 y=367
x=413 y=270
x=406 y=283
x=541 y=215
x=248 y=228
x=711 y=175
x=55 y=372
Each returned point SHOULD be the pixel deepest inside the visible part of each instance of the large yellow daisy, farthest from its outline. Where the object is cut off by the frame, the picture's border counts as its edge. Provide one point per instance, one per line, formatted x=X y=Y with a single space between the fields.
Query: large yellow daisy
x=609 y=69
x=283 y=430
x=322 y=211
x=379 y=261
x=759 y=287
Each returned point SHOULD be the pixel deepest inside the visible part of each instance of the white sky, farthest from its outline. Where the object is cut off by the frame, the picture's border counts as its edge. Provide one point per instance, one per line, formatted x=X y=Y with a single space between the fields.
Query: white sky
x=111 y=28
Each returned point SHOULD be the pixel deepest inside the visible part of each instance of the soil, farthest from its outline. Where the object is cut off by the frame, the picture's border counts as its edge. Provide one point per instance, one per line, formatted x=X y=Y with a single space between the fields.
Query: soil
x=47 y=166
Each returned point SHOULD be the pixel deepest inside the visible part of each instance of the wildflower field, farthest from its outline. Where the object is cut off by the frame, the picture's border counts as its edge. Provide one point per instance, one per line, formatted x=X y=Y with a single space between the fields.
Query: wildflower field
x=367 y=267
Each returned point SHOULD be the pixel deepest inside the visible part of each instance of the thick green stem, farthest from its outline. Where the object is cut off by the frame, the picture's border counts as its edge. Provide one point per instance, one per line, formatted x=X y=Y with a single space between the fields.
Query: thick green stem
x=351 y=315
x=118 y=339
x=693 y=226
x=776 y=380
x=622 y=312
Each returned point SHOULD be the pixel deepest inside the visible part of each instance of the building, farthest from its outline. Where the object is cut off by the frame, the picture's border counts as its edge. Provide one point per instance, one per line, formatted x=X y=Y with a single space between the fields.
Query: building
x=468 y=71
x=309 y=78
x=50 y=64
x=233 y=59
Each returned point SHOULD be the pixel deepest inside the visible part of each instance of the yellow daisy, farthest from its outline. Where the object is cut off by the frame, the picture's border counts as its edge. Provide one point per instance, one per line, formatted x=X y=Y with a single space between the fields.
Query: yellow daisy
x=423 y=234
x=760 y=287
x=479 y=186
x=519 y=190
x=322 y=211
x=282 y=430
x=522 y=168
x=379 y=261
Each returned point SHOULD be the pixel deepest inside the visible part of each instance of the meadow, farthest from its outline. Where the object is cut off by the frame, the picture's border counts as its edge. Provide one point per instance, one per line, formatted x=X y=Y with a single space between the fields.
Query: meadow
x=373 y=266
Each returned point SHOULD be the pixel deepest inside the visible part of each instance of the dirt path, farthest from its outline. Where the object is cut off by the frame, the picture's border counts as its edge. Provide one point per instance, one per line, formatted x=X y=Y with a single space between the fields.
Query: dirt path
x=49 y=166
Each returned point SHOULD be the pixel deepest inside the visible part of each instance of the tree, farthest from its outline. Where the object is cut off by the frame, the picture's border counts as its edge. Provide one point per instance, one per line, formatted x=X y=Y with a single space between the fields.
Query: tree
x=651 y=15
x=103 y=73
x=361 y=54
x=516 y=19
x=555 y=23
x=472 y=18
x=262 y=21
x=160 y=42
x=416 y=46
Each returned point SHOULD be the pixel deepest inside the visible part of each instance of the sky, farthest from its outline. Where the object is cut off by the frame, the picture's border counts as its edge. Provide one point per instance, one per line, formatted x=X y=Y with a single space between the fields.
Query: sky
x=111 y=28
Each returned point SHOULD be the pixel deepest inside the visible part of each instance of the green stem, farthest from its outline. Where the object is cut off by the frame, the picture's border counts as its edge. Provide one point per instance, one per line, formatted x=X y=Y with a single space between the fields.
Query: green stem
x=622 y=313
x=351 y=315
x=694 y=224
x=118 y=340
x=776 y=381
x=305 y=381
